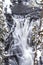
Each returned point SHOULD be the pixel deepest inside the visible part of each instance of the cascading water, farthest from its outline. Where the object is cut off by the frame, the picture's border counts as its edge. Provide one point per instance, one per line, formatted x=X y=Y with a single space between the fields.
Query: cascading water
x=20 y=46
x=21 y=30
x=19 y=37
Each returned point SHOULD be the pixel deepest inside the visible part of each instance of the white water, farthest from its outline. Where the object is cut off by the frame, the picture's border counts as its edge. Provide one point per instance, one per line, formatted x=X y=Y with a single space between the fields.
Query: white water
x=20 y=35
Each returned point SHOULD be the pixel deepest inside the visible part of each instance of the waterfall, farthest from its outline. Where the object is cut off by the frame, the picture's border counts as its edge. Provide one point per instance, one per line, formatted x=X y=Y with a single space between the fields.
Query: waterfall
x=19 y=31
x=20 y=46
